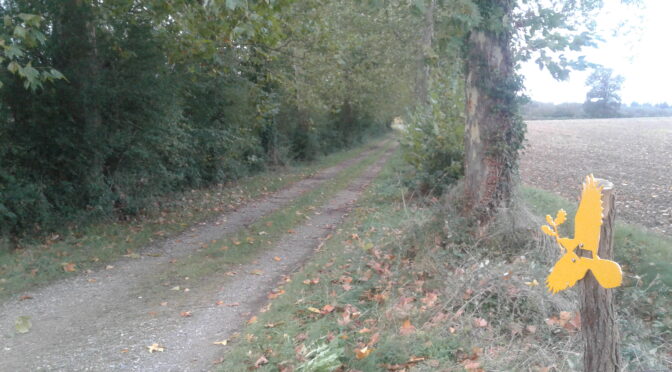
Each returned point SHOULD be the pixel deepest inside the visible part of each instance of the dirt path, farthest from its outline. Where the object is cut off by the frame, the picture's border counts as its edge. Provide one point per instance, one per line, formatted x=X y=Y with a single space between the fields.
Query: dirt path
x=105 y=320
x=635 y=154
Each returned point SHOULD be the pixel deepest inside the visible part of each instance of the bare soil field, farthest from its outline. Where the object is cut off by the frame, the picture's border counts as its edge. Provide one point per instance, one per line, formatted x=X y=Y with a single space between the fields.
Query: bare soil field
x=634 y=154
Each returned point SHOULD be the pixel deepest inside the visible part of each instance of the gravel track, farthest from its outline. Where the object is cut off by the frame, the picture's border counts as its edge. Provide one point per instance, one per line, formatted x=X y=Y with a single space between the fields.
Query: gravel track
x=105 y=320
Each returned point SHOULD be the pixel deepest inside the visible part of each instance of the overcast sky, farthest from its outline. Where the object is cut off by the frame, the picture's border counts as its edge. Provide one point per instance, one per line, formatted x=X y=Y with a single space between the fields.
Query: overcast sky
x=641 y=51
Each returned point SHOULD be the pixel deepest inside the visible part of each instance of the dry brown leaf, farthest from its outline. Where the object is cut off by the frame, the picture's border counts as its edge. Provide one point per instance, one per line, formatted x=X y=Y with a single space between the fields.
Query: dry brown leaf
x=314 y=310
x=363 y=352
x=252 y=320
x=69 y=267
x=430 y=299
x=260 y=362
x=275 y=294
x=257 y=272
x=223 y=342
x=374 y=339
x=407 y=328
x=327 y=309
x=480 y=322
x=276 y=258
x=185 y=314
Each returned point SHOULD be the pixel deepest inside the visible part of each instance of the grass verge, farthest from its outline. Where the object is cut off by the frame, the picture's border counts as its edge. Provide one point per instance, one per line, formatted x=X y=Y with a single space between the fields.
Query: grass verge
x=82 y=248
x=399 y=287
x=243 y=245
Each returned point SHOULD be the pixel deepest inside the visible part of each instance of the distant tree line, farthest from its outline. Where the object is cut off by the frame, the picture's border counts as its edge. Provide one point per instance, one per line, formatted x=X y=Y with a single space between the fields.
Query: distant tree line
x=602 y=101
x=535 y=110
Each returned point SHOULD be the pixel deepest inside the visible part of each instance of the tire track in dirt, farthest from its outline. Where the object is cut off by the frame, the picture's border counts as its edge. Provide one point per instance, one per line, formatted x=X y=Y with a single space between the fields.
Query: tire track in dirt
x=80 y=325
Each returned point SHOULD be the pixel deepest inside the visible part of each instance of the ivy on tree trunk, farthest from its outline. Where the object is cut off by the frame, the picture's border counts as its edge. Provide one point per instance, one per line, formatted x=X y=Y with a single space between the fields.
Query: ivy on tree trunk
x=494 y=131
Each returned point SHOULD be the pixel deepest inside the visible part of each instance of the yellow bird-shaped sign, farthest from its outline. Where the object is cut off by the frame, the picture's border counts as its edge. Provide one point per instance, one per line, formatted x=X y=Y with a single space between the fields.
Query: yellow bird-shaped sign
x=571 y=267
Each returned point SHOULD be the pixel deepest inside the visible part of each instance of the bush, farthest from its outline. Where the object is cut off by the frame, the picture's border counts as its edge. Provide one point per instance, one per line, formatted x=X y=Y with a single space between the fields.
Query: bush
x=433 y=144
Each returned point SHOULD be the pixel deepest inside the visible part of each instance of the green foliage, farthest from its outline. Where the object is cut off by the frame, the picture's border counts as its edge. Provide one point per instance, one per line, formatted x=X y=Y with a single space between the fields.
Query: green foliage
x=172 y=95
x=602 y=100
x=433 y=144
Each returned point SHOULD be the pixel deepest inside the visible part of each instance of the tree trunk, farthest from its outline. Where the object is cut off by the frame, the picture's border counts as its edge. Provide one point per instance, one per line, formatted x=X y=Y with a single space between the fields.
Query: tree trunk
x=494 y=132
x=423 y=76
x=75 y=30
x=598 y=318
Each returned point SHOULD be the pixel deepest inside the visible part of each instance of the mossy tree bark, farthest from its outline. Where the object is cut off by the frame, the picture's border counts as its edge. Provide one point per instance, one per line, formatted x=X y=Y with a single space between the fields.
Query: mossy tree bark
x=494 y=131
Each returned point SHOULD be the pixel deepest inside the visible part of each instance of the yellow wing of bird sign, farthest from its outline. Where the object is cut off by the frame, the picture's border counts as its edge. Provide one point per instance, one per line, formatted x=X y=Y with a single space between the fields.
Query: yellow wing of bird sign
x=571 y=267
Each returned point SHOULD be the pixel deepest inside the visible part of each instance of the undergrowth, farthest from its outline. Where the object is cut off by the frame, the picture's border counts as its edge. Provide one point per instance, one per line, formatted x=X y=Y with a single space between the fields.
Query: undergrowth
x=401 y=287
x=44 y=260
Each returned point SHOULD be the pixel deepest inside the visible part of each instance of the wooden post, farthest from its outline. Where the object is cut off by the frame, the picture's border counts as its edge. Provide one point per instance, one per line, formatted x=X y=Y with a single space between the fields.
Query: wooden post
x=598 y=318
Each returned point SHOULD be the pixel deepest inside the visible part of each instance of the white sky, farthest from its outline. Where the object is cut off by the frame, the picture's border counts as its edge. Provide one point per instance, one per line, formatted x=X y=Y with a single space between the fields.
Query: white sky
x=643 y=56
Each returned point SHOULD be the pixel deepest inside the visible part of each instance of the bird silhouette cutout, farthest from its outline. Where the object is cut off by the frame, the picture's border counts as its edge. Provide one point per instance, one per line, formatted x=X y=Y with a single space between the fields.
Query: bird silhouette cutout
x=571 y=267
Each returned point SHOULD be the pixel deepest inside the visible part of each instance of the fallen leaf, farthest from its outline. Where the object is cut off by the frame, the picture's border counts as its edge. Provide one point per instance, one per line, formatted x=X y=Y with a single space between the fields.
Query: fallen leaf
x=407 y=328
x=430 y=299
x=23 y=324
x=480 y=322
x=260 y=362
x=69 y=267
x=25 y=297
x=314 y=310
x=472 y=365
x=256 y=272
x=164 y=303
x=363 y=352
x=276 y=258
x=531 y=329
x=533 y=283
x=155 y=347
x=185 y=314
x=275 y=294
x=374 y=339
x=252 y=320
x=223 y=342
x=327 y=309
x=124 y=351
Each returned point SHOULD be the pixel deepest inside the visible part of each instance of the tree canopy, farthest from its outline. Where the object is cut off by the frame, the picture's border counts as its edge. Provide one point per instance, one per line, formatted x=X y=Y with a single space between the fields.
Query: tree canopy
x=603 y=100
x=107 y=105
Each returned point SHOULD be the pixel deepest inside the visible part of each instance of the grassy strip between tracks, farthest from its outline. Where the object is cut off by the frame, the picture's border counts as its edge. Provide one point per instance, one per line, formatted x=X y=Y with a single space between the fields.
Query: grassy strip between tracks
x=243 y=245
x=78 y=249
